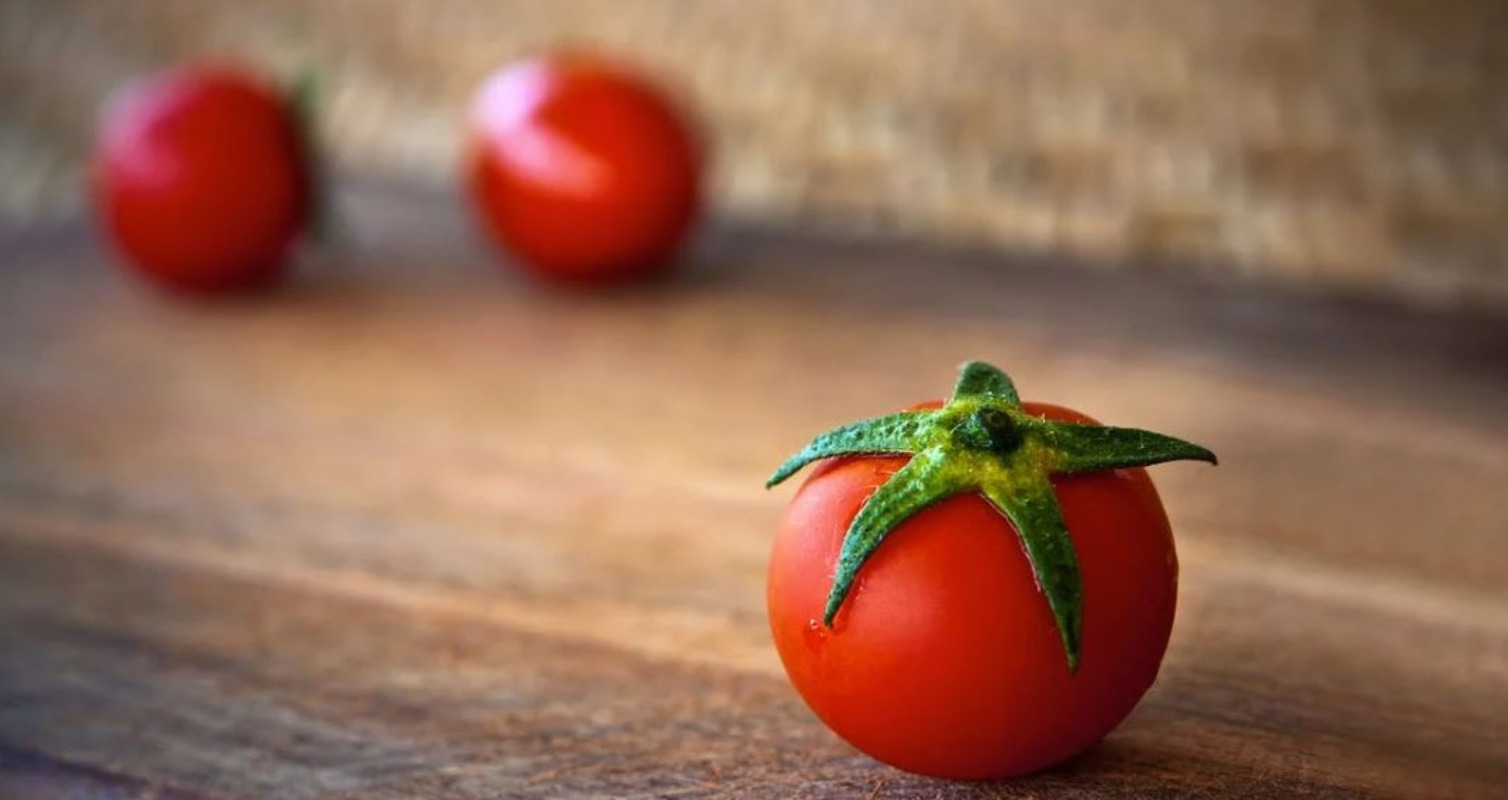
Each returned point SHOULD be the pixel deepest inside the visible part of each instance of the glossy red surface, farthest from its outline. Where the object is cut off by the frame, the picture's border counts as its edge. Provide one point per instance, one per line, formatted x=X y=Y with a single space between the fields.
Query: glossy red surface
x=583 y=171
x=945 y=659
x=200 y=180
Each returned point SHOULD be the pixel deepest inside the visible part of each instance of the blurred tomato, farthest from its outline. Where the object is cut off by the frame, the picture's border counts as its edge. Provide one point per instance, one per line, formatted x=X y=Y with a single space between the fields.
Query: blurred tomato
x=584 y=171
x=201 y=180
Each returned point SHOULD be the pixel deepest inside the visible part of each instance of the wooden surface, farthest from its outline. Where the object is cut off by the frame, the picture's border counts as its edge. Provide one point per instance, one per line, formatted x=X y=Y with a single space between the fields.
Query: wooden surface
x=412 y=529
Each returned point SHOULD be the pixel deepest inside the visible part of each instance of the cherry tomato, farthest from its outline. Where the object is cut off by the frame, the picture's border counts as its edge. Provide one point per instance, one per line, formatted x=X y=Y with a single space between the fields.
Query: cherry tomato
x=200 y=178
x=586 y=172
x=945 y=660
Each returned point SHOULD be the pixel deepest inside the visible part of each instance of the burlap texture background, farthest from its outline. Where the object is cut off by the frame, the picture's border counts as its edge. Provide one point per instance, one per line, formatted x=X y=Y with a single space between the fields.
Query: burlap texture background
x=1353 y=147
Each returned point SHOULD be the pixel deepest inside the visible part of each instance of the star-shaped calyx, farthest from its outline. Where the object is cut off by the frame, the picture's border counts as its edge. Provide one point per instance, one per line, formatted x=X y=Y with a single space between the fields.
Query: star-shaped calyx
x=983 y=441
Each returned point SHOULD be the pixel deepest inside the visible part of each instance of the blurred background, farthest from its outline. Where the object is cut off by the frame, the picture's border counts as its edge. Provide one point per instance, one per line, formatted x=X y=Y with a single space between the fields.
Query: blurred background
x=1352 y=148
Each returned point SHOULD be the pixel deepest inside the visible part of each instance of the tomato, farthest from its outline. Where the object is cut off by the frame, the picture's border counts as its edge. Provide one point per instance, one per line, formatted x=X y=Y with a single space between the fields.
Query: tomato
x=945 y=659
x=199 y=177
x=584 y=171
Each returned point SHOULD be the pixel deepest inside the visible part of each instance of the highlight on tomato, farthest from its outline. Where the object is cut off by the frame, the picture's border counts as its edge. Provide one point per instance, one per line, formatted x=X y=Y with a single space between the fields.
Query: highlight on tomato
x=202 y=177
x=975 y=589
x=584 y=170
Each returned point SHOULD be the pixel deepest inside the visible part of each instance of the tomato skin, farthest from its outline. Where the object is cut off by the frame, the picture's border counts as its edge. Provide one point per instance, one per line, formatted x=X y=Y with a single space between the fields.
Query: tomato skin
x=584 y=171
x=945 y=659
x=200 y=178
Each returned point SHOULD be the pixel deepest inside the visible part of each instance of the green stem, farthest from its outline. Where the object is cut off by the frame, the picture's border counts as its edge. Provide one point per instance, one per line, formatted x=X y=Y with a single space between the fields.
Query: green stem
x=303 y=104
x=984 y=441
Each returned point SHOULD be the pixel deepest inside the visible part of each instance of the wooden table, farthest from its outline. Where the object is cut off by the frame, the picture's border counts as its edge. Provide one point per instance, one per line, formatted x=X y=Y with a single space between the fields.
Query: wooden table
x=412 y=529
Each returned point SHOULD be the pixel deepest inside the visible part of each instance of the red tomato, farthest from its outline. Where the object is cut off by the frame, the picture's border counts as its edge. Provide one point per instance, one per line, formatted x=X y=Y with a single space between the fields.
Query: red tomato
x=200 y=178
x=945 y=659
x=584 y=171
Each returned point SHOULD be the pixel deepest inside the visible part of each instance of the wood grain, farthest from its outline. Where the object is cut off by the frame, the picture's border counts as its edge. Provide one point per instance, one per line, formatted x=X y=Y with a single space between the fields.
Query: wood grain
x=412 y=529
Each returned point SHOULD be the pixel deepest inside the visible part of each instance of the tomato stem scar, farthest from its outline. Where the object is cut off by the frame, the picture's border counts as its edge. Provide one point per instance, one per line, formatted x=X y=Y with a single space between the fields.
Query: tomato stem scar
x=1002 y=435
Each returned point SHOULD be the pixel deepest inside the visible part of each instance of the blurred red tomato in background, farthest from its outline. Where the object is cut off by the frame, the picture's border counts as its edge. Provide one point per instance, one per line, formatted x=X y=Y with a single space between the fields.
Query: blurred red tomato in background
x=201 y=178
x=585 y=171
